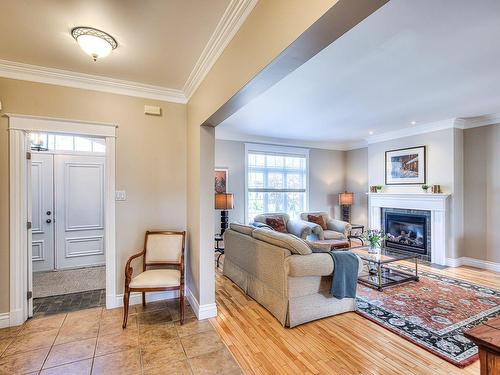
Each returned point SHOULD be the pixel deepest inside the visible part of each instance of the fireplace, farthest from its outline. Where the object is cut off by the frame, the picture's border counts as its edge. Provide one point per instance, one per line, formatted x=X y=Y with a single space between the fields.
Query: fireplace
x=407 y=230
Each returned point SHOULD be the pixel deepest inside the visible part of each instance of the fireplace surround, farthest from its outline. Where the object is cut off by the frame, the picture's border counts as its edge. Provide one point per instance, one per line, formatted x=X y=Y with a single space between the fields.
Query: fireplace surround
x=436 y=204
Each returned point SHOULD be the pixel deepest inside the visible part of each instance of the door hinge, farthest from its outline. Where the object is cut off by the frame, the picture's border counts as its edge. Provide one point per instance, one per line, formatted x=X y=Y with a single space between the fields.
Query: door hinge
x=29 y=295
x=28 y=155
x=28 y=225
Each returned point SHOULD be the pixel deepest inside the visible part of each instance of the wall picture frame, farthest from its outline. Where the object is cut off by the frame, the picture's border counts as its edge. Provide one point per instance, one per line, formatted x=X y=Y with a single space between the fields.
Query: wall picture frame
x=406 y=166
x=221 y=183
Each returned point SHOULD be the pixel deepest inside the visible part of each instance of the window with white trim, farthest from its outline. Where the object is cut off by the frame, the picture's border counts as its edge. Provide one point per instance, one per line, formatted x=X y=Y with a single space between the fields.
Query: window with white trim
x=277 y=180
x=65 y=142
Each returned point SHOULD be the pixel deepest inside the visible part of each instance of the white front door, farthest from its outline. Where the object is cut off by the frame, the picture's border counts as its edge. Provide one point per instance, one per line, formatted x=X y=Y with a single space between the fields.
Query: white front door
x=42 y=211
x=79 y=207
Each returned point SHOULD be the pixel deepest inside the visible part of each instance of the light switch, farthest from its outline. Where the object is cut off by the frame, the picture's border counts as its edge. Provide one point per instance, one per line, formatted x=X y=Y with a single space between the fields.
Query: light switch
x=120 y=195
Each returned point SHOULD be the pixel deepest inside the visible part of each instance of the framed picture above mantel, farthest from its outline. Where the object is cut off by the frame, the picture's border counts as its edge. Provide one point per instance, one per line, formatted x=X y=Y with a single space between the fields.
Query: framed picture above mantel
x=405 y=166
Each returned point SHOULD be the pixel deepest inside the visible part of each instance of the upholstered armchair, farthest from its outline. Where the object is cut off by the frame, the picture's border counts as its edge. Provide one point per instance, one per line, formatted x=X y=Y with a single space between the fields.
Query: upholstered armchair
x=299 y=228
x=335 y=229
x=161 y=248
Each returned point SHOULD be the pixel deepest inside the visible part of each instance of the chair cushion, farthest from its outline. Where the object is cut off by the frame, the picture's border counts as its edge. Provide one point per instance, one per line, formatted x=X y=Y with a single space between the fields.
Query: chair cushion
x=332 y=235
x=277 y=223
x=162 y=248
x=156 y=279
x=317 y=219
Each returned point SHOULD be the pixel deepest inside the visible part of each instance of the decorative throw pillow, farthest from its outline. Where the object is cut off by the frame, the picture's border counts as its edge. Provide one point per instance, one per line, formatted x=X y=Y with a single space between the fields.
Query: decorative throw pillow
x=277 y=223
x=317 y=219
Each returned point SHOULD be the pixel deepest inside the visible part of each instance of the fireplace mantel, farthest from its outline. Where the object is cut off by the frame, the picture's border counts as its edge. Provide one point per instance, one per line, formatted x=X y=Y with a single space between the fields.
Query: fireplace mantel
x=437 y=204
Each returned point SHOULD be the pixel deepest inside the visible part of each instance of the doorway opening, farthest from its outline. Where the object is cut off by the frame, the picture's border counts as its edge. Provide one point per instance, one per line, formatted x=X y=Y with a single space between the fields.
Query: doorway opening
x=67 y=210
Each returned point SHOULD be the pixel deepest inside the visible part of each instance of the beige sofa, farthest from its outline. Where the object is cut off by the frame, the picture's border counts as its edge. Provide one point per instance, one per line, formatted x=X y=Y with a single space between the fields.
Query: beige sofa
x=337 y=229
x=281 y=273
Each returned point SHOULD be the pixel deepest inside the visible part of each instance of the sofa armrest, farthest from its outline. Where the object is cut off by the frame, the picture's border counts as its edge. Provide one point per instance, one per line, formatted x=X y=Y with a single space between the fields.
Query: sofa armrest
x=315 y=264
x=339 y=226
x=299 y=228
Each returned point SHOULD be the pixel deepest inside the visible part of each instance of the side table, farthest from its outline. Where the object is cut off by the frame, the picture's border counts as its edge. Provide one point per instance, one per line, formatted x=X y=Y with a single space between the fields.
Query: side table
x=487 y=337
x=356 y=235
x=218 y=249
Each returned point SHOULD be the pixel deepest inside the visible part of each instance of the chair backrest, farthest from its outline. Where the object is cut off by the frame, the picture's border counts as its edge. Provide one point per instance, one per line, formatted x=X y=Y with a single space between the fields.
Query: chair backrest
x=262 y=217
x=164 y=247
x=303 y=215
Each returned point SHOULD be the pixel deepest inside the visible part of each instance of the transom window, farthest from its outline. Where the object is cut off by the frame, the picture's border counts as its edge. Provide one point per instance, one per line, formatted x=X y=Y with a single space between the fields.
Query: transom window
x=64 y=142
x=276 y=180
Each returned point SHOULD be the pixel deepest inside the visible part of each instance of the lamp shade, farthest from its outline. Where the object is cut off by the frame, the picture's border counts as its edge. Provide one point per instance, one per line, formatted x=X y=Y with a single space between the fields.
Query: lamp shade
x=224 y=201
x=346 y=199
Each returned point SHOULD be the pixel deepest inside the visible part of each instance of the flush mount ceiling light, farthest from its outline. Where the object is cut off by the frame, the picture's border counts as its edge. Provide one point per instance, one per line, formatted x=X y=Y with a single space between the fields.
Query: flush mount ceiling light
x=95 y=43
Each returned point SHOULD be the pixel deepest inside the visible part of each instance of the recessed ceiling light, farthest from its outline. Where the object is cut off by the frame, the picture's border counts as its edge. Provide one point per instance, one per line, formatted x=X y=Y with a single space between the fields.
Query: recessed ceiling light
x=93 y=42
x=370 y=132
x=413 y=122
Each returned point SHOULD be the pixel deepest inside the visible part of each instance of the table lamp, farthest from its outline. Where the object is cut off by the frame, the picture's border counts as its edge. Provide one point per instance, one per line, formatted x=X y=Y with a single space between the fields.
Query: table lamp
x=345 y=200
x=224 y=202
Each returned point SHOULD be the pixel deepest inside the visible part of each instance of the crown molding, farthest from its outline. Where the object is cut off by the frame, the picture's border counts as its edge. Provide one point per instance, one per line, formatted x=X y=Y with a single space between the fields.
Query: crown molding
x=26 y=72
x=235 y=14
x=477 y=121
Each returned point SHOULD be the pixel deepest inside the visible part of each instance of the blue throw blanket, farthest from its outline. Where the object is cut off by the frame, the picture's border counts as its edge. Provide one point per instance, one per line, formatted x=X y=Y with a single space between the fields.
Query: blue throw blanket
x=345 y=274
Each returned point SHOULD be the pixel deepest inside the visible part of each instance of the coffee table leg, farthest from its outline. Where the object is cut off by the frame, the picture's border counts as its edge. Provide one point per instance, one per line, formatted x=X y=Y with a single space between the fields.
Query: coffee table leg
x=416 y=269
x=379 y=275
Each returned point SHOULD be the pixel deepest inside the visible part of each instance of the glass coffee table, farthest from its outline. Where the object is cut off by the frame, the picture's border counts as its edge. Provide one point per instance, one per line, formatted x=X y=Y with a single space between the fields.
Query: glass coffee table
x=379 y=274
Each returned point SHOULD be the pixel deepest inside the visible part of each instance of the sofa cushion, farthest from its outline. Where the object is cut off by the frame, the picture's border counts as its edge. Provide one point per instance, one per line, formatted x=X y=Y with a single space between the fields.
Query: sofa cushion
x=332 y=235
x=242 y=228
x=317 y=219
x=284 y=240
x=277 y=223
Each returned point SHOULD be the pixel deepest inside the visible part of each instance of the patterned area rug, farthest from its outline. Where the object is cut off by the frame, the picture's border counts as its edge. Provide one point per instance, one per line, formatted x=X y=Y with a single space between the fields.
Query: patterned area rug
x=432 y=313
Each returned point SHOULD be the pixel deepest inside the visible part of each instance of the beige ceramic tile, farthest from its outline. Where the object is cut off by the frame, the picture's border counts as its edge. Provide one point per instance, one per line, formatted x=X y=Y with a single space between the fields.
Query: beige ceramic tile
x=220 y=362
x=127 y=362
x=201 y=343
x=43 y=324
x=170 y=368
x=23 y=362
x=158 y=353
x=77 y=330
x=192 y=326
x=115 y=343
x=117 y=313
x=76 y=368
x=85 y=315
x=10 y=332
x=154 y=317
x=70 y=352
x=113 y=326
x=156 y=333
x=150 y=306
x=32 y=341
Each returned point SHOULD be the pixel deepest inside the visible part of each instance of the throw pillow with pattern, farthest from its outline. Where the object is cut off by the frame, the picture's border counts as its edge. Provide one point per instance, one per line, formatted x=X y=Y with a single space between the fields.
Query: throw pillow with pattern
x=317 y=219
x=277 y=223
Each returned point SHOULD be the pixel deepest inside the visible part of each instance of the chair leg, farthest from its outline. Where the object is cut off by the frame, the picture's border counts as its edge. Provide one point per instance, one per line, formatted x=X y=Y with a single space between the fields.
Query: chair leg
x=144 y=299
x=126 y=296
x=181 y=305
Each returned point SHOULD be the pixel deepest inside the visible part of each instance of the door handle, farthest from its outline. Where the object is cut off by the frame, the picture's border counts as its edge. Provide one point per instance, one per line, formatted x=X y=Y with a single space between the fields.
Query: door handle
x=48 y=221
x=48 y=213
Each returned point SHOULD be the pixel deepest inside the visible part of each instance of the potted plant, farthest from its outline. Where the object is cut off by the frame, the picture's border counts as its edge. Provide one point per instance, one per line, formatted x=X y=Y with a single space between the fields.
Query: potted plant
x=425 y=188
x=374 y=238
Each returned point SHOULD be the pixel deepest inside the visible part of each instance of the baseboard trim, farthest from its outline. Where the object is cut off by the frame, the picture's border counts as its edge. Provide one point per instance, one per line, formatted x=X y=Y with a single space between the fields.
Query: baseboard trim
x=201 y=311
x=136 y=298
x=473 y=262
x=4 y=320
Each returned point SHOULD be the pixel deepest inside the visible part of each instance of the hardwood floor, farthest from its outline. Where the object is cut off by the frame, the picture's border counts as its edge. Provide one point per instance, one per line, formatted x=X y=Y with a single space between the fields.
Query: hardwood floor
x=342 y=344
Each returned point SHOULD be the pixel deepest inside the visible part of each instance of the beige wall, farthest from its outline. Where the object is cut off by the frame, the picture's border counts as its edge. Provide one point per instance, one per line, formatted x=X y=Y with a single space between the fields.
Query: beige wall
x=356 y=180
x=150 y=160
x=271 y=27
x=443 y=149
x=482 y=192
x=326 y=178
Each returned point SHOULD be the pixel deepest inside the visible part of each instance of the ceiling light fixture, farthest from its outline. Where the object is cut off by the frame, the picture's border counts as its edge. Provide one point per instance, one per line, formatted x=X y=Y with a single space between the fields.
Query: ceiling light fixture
x=370 y=132
x=413 y=122
x=93 y=42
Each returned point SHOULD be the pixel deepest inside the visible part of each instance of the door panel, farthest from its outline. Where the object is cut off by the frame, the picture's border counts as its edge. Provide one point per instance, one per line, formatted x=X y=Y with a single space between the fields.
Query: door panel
x=42 y=208
x=79 y=184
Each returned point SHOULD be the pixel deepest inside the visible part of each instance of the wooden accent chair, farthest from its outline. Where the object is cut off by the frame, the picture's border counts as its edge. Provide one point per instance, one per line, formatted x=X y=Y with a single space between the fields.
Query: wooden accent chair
x=161 y=248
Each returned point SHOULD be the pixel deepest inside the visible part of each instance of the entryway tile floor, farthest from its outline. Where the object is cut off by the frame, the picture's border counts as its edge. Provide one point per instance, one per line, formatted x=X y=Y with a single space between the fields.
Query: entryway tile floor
x=68 y=302
x=92 y=341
